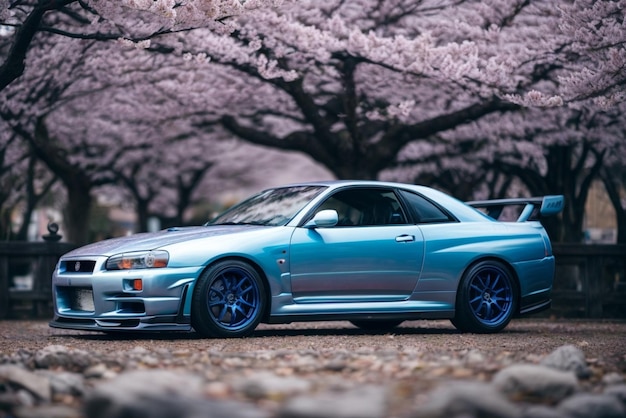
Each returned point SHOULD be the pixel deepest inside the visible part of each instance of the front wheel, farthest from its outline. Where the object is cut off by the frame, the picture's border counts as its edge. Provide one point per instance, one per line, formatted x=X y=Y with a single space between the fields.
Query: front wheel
x=486 y=299
x=228 y=300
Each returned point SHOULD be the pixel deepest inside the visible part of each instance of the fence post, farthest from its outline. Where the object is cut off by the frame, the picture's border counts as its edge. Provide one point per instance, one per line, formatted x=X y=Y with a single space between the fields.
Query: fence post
x=4 y=285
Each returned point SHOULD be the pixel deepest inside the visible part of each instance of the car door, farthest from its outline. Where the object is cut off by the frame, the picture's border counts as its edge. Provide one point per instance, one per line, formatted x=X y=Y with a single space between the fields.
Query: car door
x=372 y=254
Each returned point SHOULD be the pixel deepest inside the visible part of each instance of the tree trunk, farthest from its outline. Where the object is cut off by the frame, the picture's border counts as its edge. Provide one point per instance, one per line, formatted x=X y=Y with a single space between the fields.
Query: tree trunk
x=76 y=179
x=76 y=216
x=31 y=201
x=141 y=210
x=612 y=189
x=621 y=227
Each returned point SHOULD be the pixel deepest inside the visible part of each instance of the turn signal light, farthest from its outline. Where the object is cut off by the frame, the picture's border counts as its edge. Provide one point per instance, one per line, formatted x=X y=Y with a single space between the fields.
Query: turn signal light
x=132 y=285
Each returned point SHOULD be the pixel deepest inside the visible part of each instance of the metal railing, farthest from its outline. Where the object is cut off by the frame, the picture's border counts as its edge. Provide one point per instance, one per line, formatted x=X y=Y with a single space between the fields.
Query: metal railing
x=590 y=280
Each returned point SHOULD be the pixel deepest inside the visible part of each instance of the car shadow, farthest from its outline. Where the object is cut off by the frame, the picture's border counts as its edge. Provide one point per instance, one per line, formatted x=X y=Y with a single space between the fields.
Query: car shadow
x=268 y=331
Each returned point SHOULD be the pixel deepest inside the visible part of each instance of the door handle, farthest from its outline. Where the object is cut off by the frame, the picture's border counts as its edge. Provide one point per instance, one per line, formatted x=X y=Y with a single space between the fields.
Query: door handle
x=405 y=238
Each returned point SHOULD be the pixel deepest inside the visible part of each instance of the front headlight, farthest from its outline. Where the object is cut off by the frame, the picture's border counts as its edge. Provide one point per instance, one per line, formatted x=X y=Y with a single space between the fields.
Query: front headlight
x=138 y=260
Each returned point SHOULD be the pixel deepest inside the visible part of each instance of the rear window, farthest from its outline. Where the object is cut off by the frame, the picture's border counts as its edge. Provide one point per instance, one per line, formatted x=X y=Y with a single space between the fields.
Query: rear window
x=423 y=210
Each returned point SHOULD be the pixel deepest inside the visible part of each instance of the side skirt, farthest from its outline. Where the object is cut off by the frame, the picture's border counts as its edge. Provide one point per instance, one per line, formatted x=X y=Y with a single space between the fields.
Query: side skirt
x=405 y=316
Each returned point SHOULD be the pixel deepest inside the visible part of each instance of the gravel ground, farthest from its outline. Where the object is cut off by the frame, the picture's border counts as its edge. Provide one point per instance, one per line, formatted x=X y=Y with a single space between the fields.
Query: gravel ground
x=603 y=342
x=411 y=361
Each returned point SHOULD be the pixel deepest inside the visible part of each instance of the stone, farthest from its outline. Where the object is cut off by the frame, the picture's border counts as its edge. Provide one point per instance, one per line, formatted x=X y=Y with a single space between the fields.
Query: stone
x=9 y=400
x=159 y=394
x=14 y=399
x=468 y=399
x=475 y=357
x=535 y=383
x=613 y=378
x=99 y=371
x=268 y=385
x=22 y=378
x=59 y=356
x=26 y=398
x=618 y=391
x=64 y=383
x=361 y=402
x=48 y=411
x=568 y=358
x=542 y=411
x=587 y=405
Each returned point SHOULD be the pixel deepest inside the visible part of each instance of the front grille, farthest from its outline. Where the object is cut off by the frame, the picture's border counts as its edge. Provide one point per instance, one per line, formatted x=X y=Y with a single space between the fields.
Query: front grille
x=77 y=266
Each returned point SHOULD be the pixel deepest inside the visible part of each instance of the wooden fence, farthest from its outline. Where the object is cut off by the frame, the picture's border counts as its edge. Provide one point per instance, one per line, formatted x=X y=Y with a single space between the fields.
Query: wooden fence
x=25 y=277
x=590 y=280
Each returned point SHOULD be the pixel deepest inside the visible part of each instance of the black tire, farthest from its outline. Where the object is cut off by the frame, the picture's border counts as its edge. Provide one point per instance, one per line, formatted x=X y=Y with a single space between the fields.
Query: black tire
x=486 y=299
x=377 y=324
x=228 y=301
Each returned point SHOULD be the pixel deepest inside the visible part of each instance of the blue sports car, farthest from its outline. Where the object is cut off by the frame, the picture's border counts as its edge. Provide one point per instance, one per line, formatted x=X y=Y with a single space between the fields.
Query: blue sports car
x=372 y=253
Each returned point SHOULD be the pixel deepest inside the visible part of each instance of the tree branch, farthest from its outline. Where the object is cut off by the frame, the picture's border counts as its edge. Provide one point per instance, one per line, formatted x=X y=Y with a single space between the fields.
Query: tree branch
x=399 y=136
x=296 y=141
x=14 y=65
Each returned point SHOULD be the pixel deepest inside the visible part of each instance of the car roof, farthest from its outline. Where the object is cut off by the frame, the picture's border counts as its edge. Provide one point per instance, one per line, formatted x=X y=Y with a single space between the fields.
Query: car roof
x=459 y=209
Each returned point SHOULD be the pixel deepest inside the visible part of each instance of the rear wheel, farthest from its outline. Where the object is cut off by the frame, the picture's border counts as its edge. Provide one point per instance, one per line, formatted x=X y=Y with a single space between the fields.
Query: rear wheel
x=376 y=324
x=228 y=300
x=486 y=299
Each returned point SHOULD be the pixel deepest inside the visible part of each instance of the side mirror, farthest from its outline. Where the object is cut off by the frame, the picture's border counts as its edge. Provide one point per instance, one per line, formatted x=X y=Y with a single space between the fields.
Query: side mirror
x=323 y=219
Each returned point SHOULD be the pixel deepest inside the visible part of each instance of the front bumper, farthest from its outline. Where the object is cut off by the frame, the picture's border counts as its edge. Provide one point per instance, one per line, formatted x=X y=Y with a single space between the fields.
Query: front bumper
x=157 y=323
x=101 y=300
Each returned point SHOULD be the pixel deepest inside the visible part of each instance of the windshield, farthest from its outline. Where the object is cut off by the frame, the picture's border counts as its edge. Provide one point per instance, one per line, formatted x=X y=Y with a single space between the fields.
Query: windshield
x=273 y=207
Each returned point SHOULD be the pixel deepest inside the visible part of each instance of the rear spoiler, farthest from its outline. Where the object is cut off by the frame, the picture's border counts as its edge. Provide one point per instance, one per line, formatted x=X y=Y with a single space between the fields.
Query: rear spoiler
x=547 y=206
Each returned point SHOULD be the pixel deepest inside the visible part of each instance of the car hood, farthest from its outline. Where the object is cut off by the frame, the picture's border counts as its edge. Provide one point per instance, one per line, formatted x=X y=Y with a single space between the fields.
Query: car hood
x=155 y=240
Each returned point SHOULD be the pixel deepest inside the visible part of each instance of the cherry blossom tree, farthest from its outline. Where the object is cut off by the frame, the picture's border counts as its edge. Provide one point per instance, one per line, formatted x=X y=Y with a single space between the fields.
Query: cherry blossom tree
x=360 y=87
x=465 y=95
x=27 y=108
x=613 y=172
x=163 y=177
x=582 y=140
x=560 y=152
x=596 y=77
x=116 y=115
x=352 y=84
x=533 y=151
x=597 y=50
x=24 y=23
x=23 y=184
x=22 y=20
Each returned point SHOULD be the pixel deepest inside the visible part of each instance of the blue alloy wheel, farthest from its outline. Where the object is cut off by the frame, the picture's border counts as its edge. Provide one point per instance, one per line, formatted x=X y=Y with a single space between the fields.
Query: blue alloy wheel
x=228 y=301
x=487 y=298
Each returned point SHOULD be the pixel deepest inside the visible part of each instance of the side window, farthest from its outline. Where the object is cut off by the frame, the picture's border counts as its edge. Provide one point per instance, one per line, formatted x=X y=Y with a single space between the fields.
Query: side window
x=365 y=207
x=423 y=210
x=348 y=214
